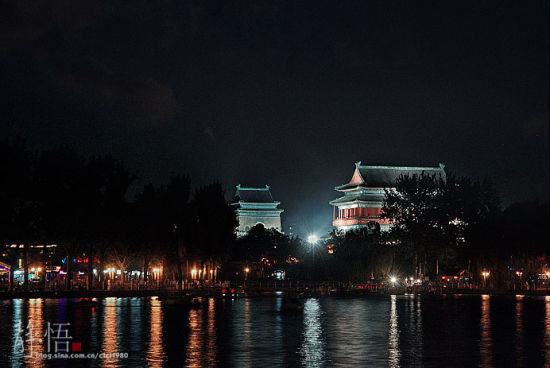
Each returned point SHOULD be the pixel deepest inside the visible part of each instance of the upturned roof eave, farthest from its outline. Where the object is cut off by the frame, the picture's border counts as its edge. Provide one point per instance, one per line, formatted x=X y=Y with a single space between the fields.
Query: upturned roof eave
x=276 y=203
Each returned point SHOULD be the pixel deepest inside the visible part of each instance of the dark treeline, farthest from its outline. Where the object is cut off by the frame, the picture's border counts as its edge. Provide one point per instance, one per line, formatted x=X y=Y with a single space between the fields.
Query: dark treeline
x=452 y=227
x=82 y=206
x=447 y=228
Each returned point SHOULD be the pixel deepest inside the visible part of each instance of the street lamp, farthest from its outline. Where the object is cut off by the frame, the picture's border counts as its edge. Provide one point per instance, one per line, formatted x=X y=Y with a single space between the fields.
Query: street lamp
x=312 y=239
x=156 y=272
x=246 y=271
x=393 y=279
x=485 y=274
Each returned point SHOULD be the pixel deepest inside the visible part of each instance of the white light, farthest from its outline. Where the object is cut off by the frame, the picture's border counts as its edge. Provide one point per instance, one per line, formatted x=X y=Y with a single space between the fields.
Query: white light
x=312 y=238
x=393 y=279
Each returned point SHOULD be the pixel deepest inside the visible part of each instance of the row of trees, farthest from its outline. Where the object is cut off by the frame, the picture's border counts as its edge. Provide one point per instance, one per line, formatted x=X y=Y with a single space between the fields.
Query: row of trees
x=442 y=227
x=83 y=205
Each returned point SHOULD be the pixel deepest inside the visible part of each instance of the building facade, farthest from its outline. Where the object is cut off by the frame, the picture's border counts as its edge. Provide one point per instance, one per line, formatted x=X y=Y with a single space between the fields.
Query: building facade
x=256 y=206
x=363 y=197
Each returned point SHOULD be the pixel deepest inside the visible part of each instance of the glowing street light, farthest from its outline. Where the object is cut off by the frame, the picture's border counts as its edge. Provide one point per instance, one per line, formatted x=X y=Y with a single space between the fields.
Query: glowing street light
x=246 y=271
x=312 y=239
x=393 y=279
x=156 y=273
x=193 y=273
x=485 y=274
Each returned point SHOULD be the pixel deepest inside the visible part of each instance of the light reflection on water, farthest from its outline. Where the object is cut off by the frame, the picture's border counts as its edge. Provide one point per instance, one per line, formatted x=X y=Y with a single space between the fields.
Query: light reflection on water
x=211 y=349
x=34 y=333
x=485 y=343
x=547 y=332
x=241 y=341
x=18 y=346
x=519 y=331
x=312 y=349
x=384 y=331
x=155 y=352
x=194 y=348
x=110 y=326
x=393 y=340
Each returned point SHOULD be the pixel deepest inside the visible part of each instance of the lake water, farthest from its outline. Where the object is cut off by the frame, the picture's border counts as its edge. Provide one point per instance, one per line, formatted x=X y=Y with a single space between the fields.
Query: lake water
x=392 y=331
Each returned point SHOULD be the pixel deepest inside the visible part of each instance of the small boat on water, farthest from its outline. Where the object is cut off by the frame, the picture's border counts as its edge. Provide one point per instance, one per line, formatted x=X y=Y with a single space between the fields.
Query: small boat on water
x=291 y=304
x=181 y=301
x=86 y=303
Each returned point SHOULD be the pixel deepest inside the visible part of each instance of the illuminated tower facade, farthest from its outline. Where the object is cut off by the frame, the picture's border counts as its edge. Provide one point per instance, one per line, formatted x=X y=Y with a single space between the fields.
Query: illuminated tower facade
x=363 y=197
x=256 y=206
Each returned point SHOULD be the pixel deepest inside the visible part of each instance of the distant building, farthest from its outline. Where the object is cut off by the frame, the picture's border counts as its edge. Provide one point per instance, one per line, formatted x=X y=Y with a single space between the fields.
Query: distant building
x=256 y=206
x=364 y=195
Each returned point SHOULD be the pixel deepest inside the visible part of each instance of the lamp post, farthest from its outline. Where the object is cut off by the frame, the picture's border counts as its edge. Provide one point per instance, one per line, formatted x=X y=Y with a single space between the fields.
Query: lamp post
x=485 y=274
x=312 y=239
x=156 y=272
x=518 y=274
x=246 y=271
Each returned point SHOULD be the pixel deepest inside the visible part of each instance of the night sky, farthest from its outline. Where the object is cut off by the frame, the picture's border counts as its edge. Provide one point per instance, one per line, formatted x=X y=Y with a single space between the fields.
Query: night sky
x=286 y=94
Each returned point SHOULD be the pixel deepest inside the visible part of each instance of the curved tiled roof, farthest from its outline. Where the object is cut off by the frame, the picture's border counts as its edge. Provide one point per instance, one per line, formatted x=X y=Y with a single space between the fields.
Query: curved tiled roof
x=363 y=197
x=253 y=195
x=386 y=176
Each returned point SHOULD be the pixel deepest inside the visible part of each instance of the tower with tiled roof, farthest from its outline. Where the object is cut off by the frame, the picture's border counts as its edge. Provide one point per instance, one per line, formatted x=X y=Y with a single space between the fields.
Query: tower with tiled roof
x=256 y=206
x=364 y=195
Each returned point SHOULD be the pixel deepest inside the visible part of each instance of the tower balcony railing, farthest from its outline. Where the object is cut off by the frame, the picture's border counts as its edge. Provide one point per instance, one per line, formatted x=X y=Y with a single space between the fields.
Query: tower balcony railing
x=362 y=220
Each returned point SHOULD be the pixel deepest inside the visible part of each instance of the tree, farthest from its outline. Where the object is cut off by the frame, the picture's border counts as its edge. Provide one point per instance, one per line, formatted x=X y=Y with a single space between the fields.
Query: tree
x=434 y=217
x=112 y=180
x=213 y=223
x=69 y=196
x=266 y=249
x=20 y=218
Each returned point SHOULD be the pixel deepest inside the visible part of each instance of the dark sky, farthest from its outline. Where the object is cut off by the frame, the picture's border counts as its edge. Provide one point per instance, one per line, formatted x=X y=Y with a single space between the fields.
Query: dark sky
x=282 y=92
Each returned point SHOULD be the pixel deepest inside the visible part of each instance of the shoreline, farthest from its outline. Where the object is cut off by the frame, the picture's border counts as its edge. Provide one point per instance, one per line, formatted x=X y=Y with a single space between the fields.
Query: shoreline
x=249 y=293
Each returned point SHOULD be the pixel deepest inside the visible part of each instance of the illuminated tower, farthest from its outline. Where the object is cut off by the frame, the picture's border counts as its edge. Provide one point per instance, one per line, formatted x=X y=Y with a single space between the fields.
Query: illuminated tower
x=364 y=195
x=256 y=206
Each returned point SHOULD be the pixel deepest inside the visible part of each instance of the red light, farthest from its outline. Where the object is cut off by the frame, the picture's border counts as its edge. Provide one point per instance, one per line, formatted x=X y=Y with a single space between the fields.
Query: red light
x=456 y=277
x=232 y=290
x=223 y=290
x=93 y=309
x=360 y=286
